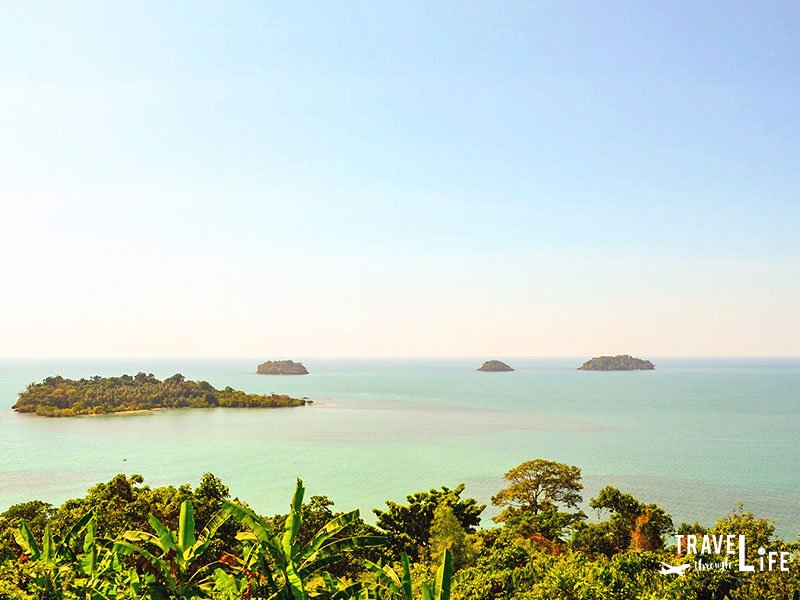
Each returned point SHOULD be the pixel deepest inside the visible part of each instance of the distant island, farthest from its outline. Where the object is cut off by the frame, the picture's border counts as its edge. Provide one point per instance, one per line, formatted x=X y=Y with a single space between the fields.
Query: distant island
x=620 y=362
x=281 y=367
x=494 y=366
x=60 y=397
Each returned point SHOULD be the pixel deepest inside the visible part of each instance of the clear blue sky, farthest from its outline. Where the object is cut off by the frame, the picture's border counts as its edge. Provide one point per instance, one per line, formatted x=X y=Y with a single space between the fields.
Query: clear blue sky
x=294 y=179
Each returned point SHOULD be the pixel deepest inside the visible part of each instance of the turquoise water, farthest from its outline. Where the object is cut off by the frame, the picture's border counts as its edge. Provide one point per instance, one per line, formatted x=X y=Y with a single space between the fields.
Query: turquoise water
x=696 y=436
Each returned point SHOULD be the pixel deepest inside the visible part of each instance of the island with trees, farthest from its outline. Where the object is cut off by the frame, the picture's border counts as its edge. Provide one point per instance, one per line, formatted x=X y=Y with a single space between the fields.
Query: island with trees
x=60 y=397
x=128 y=541
x=281 y=367
x=495 y=366
x=620 y=362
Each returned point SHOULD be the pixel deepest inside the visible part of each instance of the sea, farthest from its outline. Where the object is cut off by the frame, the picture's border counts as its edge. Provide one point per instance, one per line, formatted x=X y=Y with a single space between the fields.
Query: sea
x=699 y=437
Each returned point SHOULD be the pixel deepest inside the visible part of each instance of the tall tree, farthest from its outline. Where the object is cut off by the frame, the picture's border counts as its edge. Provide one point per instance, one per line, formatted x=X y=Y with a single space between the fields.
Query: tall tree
x=538 y=485
x=448 y=534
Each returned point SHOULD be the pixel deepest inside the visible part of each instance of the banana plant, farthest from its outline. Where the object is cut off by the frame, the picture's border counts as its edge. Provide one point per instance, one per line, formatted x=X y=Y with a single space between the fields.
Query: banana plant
x=339 y=589
x=54 y=559
x=239 y=581
x=100 y=573
x=439 y=588
x=95 y=574
x=391 y=585
x=94 y=568
x=227 y=586
x=397 y=586
x=284 y=565
x=174 y=560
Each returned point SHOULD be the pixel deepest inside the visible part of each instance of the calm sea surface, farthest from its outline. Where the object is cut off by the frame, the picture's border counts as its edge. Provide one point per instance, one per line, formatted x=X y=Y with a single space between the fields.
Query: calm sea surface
x=696 y=436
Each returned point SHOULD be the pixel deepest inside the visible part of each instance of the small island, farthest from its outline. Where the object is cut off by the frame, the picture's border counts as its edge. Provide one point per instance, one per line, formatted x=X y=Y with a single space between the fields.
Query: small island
x=620 y=362
x=494 y=366
x=281 y=367
x=60 y=397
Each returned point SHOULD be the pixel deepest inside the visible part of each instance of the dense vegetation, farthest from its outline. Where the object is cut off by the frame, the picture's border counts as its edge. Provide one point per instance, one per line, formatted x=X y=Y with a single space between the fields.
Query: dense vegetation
x=125 y=540
x=620 y=362
x=281 y=367
x=59 y=397
x=494 y=366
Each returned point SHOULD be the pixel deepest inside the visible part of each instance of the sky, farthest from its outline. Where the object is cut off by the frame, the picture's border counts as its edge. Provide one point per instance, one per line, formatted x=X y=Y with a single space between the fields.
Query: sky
x=294 y=179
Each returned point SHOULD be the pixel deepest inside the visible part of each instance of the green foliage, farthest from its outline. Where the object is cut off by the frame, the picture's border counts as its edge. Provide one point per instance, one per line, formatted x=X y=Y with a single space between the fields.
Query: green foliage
x=9 y=591
x=408 y=526
x=283 y=562
x=51 y=557
x=440 y=587
x=600 y=538
x=35 y=514
x=126 y=541
x=387 y=584
x=538 y=485
x=632 y=525
x=315 y=514
x=447 y=534
x=172 y=556
x=552 y=525
x=60 y=397
x=759 y=532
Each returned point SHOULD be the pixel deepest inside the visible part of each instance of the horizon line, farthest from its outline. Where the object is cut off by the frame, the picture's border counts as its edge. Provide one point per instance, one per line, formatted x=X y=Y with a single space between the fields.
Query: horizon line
x=388 y=356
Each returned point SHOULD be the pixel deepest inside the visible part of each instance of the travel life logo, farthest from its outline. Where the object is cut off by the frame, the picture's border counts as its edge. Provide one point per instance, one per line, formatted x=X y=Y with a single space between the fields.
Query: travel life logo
x=725 y=546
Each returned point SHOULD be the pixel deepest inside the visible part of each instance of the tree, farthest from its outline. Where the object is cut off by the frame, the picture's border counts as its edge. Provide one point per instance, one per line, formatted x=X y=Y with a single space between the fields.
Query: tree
x=632 y=524
x=408 y=526
x=117 y=504
x=640 y=526
x=758 y=531
x=538 y=485
x=599 y=538
x=611 y=499
x=552 y=525
x=448 y=534
x=650 y=527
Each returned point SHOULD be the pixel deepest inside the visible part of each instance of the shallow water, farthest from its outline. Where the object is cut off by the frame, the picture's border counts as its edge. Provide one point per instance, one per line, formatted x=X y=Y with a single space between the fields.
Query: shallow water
x=696 y=436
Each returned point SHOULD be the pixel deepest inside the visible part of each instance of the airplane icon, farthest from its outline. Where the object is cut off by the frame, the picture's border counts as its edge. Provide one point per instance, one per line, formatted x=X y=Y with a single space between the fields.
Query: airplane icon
x=679 y=570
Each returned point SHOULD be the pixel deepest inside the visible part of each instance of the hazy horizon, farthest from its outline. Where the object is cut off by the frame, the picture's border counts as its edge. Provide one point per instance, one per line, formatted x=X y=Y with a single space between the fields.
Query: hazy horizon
x=379 y=357
x=458 y=179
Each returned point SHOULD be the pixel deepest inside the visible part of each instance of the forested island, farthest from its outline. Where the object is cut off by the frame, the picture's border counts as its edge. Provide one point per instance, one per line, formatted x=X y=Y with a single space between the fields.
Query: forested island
x=620 y=362
x=60 y=397
x=281 y=367
x=494 y=366
x=127 y=541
